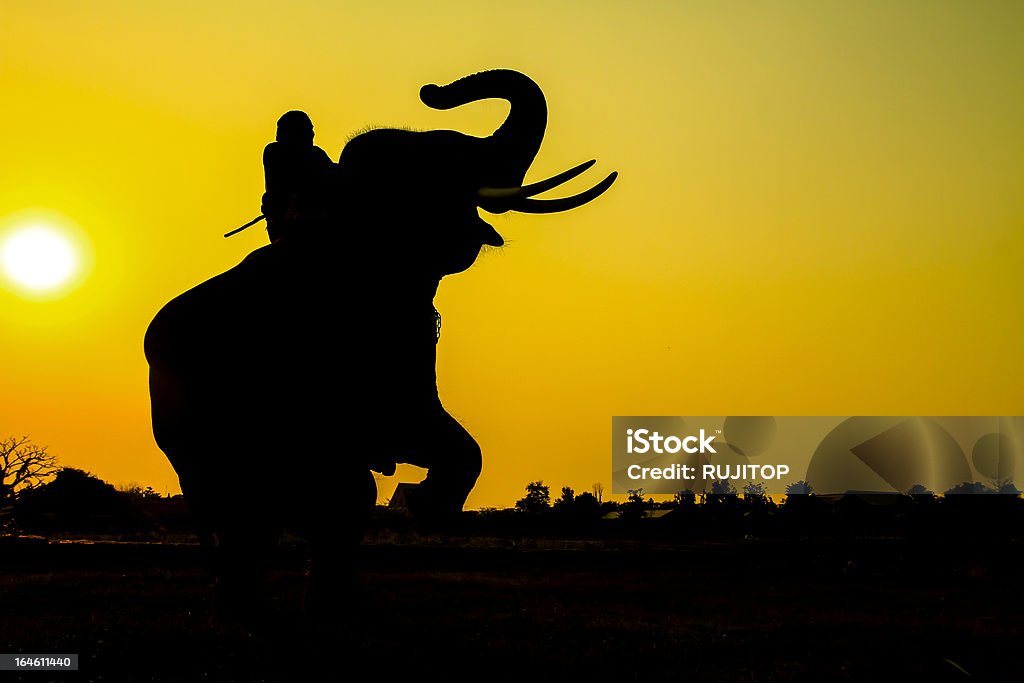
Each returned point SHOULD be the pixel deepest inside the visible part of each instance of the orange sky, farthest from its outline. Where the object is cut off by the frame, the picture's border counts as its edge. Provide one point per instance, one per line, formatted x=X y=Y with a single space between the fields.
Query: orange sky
x=819 y=209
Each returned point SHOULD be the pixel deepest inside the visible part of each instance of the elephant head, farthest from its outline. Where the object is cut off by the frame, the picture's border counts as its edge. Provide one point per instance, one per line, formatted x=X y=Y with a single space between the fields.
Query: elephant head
x=426 y=186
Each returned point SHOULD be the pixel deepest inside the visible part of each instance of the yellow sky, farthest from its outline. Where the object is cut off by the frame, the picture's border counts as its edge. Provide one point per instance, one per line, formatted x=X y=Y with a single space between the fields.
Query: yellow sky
x=819 y=209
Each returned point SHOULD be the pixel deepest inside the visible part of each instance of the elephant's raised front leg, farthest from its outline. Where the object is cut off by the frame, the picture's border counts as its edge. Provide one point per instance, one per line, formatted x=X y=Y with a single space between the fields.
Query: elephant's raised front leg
x=453 y=461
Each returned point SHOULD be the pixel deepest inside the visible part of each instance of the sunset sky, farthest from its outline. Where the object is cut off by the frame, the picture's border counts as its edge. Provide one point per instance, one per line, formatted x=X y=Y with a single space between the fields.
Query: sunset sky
x=819 y=209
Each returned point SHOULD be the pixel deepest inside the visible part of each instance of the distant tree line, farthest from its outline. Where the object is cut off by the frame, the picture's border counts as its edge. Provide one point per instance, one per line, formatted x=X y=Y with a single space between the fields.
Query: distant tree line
x=37 y=496
x=723 y=512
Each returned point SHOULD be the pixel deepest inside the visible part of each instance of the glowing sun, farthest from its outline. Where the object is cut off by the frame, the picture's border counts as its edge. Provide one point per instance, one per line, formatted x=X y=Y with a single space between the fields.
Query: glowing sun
x=39 y=258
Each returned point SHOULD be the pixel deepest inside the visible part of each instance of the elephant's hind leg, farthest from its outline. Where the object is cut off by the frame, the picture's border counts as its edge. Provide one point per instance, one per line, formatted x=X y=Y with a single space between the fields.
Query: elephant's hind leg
x=240 y=555
x=332 y=588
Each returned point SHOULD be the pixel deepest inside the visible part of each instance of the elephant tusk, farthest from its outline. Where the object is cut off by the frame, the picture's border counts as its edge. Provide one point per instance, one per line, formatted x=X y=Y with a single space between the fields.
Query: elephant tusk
x=527 y=205
x=513 y=193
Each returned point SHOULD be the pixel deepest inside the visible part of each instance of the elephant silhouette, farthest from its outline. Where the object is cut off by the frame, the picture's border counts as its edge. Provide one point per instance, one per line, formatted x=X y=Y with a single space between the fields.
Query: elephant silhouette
x=279 y=384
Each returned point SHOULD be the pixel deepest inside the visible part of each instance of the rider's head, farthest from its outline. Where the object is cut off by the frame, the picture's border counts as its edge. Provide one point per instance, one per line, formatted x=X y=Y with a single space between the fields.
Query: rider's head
x=295 y=128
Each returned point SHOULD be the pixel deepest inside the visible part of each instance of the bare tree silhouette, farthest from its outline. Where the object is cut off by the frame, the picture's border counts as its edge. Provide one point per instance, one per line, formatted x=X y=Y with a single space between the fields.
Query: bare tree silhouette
x=23 y=466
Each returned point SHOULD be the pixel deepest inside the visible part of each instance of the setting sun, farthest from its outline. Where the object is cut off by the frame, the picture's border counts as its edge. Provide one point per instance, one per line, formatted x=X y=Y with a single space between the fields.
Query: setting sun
x=39 y=258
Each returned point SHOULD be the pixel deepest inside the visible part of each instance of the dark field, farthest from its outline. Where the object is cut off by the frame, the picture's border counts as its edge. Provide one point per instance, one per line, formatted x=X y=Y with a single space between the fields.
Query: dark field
x=789 y=610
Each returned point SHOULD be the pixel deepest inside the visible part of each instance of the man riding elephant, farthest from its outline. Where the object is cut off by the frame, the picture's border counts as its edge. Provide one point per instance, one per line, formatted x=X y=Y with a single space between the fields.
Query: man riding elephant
x=298 y=178
x=346 y=302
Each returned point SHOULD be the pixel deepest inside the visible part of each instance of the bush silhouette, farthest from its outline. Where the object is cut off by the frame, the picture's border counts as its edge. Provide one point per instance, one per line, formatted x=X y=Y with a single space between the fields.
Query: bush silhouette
x=77 y=501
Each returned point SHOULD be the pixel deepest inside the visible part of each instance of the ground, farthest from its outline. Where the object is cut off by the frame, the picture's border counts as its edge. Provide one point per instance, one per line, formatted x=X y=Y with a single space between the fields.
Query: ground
x=502 y=609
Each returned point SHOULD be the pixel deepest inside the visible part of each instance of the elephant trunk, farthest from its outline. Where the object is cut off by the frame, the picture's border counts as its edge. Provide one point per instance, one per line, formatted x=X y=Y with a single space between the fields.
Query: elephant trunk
x=512 y=148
